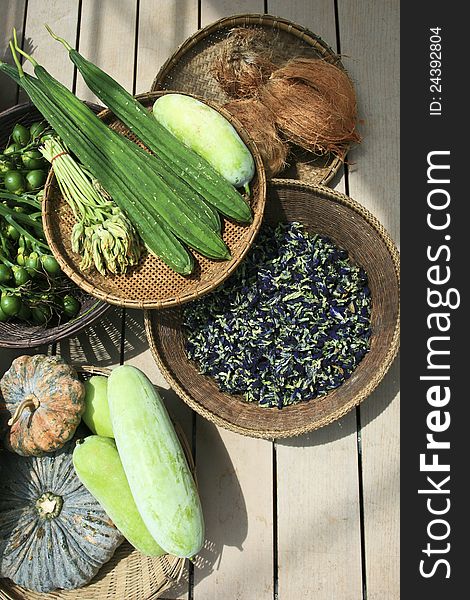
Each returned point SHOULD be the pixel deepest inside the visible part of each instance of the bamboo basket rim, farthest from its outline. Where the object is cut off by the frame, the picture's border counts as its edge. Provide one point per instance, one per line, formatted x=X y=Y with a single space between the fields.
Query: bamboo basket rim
x=254 y=19
x=365 y=392
x=32 y=335
x=172 y=566
x=57 y=333
x=75 y=274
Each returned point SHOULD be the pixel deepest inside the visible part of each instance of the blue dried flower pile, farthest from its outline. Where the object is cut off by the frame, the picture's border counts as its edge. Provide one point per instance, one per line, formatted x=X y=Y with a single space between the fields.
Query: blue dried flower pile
x=292 y=323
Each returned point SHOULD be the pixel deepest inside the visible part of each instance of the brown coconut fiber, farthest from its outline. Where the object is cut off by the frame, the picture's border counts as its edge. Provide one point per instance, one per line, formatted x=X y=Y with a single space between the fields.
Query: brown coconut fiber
x=314 y=105
x=259 y=121
x=244 y=63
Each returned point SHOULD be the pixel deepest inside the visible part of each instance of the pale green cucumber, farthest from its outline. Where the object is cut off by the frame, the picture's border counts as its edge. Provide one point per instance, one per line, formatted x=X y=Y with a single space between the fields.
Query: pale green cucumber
x=98 y=466
x=207 y=133
x=96 y=416
x=154 y=462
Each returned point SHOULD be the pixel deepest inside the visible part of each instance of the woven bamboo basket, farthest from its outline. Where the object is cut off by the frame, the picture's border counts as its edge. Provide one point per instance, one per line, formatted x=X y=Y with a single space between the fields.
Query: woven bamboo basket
x=188 y=70
x=129 y=575
x=350 y=226
x=152 y=284
x=21 y=335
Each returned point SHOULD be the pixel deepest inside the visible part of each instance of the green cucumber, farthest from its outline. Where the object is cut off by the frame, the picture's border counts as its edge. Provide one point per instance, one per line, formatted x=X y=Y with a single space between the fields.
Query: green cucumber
x=209 y=134
x=96 y=416
x=154 y=462
x=98 y=466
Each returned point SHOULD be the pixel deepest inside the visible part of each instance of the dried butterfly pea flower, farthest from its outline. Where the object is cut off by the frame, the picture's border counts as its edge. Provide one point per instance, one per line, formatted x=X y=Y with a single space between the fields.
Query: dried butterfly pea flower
x=291 y=324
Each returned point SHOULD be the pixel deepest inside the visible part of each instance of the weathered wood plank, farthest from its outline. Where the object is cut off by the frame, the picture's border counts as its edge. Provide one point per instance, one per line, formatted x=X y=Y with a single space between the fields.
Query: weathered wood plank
x=13 y=14
x=317 y=476
x=369 y=33
x=212 y=10
x=107 y=38
x=318 y=515
x=374 y=66
x=318 y=16
x=156 y=42
x=235 y=480
x=140 y=356
x=137 y=353
x=62 y=17
x=380 y=417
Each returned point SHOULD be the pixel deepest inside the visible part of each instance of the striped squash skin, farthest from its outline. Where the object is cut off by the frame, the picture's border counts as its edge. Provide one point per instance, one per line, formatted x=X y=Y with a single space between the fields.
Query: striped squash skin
x=154 y=462
x=53 y=533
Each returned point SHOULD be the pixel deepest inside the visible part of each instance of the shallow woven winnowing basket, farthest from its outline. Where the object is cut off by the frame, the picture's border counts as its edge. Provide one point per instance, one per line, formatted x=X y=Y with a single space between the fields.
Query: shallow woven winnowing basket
x=129 y=575
x=16 y=334
x=189 y=70
x=351 y=227
x=152 y=284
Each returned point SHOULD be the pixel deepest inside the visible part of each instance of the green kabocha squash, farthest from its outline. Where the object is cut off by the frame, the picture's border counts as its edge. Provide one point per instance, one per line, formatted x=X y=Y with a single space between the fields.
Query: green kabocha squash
x=43 y=401
x=53 y=533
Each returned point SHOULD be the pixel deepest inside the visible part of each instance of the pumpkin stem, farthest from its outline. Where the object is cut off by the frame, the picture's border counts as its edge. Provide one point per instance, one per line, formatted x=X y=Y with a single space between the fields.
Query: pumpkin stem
x=49 y=505
x=30 y=402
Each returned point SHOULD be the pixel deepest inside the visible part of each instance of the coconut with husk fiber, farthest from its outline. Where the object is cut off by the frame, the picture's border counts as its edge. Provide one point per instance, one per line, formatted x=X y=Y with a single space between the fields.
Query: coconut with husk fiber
x=259 y=121
x=244 y=62
x=313 y=103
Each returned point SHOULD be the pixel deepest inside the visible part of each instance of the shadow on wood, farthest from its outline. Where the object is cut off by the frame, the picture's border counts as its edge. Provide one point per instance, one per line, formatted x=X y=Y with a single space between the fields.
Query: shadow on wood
x=12 y=16
x=222 y=500
x=100 y=344
x=376 y=403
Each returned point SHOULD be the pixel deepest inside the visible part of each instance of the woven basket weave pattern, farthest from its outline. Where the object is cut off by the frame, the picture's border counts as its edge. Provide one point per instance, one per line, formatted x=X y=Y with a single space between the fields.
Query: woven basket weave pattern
x=188 y=70
x=129 y=575
x=350 y=226
x=152 y=284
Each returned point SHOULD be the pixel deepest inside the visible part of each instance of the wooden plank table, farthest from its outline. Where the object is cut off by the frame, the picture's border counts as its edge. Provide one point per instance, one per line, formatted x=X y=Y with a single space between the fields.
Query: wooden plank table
x=312 y=518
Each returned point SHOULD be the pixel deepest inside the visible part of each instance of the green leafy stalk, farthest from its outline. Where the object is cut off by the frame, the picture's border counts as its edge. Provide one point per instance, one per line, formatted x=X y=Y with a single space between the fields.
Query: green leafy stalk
x=37 y=244
x=103 y=235
x=200 y=179
x=28 y=220
x=142 y=170
x=79 y=132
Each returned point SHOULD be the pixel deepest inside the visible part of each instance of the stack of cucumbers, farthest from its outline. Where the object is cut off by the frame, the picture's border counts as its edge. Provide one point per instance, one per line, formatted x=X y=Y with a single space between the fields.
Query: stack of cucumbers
x=135 y=467
x=173 y=196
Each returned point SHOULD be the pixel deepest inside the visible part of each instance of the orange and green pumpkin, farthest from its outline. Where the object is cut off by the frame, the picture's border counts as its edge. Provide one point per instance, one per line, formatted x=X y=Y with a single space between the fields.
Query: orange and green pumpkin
x=43 y=401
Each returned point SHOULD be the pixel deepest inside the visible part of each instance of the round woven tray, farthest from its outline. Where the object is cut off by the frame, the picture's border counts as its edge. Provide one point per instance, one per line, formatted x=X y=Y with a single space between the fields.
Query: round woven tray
x=152 y=284
x=129 y=575
x=351 y=227
x=188 y=70
x=21 y=335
